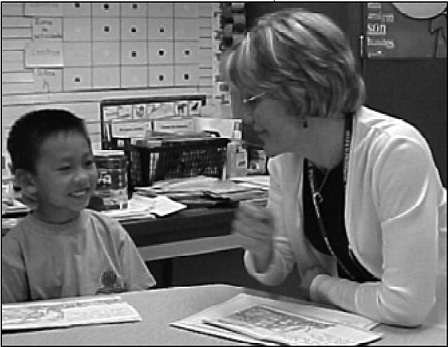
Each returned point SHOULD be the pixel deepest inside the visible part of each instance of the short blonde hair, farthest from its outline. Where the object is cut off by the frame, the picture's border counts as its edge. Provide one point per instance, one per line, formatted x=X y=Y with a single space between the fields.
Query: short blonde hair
x=302 y=58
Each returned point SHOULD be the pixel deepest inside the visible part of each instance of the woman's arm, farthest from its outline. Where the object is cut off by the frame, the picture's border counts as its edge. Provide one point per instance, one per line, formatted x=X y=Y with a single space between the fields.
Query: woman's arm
x=282 y=257
x=406 y=195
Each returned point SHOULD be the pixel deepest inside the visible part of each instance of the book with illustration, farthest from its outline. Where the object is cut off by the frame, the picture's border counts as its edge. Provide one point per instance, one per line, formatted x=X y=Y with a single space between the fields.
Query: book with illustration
x=258 y=320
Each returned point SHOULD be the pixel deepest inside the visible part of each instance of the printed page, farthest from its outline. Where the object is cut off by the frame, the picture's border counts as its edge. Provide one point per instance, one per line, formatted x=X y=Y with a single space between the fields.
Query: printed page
x=326 y=324
x=272 y=325
x=63 y=313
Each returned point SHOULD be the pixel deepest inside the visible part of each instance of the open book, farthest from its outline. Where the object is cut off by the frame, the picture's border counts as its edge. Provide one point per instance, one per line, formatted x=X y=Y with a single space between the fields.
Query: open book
x=259 y=320
x=66 y=312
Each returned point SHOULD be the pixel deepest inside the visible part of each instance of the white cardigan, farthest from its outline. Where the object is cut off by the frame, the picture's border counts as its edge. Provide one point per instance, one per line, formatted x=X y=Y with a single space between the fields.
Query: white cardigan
x=395 y=208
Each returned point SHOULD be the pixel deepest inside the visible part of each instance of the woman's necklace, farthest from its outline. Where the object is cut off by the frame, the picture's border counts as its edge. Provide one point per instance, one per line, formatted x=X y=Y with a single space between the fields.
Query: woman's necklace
x=317 y=196
x=317 y=201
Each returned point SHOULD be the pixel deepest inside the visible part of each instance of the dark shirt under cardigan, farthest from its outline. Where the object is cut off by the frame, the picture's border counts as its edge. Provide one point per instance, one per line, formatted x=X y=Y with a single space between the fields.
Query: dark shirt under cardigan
x=332 y=210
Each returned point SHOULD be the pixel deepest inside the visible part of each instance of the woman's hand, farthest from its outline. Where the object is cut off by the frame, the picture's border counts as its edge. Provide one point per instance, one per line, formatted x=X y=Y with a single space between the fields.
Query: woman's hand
x=307 y=280
x=254 y=227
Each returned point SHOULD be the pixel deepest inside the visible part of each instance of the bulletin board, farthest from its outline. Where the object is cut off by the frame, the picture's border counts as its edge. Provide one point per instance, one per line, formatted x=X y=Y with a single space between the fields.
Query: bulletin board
x=405 y=30
x=73 y=55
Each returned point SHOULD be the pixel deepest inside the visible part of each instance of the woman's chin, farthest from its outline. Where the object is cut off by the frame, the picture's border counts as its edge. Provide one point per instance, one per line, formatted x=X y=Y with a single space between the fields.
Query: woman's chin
x=268 y=147
x=268 y=151
x=271 y=151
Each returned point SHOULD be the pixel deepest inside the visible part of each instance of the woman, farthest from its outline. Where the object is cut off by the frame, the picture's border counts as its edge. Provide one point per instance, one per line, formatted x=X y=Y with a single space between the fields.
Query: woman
x=355 y=200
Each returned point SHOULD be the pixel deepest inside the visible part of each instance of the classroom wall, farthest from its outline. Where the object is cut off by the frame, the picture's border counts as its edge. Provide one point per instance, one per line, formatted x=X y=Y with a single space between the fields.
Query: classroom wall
x=109 y=50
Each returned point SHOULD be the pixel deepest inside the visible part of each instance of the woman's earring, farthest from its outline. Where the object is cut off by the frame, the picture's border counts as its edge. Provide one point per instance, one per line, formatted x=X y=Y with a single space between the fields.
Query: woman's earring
x=305 y=124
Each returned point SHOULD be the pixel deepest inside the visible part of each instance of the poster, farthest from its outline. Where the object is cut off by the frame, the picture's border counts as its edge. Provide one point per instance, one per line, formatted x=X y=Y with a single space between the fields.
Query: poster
x=405 y=30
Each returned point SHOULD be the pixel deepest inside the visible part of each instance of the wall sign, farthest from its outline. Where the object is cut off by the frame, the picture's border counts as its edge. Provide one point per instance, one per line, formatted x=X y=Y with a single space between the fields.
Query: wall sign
x=47 y=9
x=43 y=54
x=406 y=30
x=47 y=28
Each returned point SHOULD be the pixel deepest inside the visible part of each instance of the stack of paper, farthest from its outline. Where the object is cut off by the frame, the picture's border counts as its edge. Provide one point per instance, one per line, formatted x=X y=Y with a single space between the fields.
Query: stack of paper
x=144 y=207
x=67 y=312
x=8 y=224
x=261 y=181
x=187 y=190
x=259 y=320
x=13 y=206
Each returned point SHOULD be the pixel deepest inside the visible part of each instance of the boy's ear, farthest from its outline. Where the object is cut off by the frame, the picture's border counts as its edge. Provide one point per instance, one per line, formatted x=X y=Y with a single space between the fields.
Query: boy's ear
x=25 y=180
x=28 y=190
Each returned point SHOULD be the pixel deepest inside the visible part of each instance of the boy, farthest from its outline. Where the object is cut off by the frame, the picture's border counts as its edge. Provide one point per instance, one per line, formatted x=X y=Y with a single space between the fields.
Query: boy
x=61 y=249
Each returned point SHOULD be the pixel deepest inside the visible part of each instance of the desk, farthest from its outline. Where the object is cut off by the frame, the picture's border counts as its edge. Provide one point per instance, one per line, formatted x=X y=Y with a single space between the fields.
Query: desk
x=161 y=307
x=176 y=246
x=194 y=247
x=187 y=232
x=188 y=224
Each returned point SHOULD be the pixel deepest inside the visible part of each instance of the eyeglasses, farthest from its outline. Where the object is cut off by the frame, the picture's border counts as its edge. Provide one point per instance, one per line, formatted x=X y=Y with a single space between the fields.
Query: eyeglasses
x=249 y=103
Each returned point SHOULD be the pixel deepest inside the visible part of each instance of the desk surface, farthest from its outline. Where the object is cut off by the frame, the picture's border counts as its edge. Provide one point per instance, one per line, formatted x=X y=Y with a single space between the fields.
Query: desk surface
x=185 y=225
x=159 y=308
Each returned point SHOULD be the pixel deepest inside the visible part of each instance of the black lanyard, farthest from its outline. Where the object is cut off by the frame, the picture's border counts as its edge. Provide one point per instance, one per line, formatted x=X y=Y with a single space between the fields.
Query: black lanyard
x=347 y=141
x=317 y=200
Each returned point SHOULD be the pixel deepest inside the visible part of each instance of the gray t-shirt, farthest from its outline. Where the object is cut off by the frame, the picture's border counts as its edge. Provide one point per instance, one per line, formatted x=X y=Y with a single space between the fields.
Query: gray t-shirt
x=90 y=255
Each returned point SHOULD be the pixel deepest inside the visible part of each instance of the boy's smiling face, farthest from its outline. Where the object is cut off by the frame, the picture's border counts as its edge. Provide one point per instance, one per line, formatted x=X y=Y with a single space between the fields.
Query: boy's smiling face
x=65 y=177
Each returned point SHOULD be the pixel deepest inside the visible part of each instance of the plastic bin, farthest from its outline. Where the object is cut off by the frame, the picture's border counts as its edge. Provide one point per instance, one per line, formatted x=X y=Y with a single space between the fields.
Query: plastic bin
x=177 y=159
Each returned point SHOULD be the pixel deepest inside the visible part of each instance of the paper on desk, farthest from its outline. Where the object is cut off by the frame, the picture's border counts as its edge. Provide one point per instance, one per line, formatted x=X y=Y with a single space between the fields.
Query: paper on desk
x=67 y=312
x=254 y=319
x=8 y=224
x=260 y=181
x=14 y=206
x=205 y=187
x=194 y=184
x=144 y=207
x=164 y=206
x=184 y=184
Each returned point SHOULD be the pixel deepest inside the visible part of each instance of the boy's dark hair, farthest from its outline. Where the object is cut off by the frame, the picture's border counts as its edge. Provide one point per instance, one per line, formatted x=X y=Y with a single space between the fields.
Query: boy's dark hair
x=31 y=130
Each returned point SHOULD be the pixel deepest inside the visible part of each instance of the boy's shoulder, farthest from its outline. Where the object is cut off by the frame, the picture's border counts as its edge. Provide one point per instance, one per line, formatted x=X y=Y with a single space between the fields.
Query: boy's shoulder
x=29 y=228
x=19 y=229
x=96 y=215
x=104 y=222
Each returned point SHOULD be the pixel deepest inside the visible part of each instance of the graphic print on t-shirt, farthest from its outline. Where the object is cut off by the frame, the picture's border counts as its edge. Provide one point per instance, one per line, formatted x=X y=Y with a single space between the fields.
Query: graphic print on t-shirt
x=111 y=283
